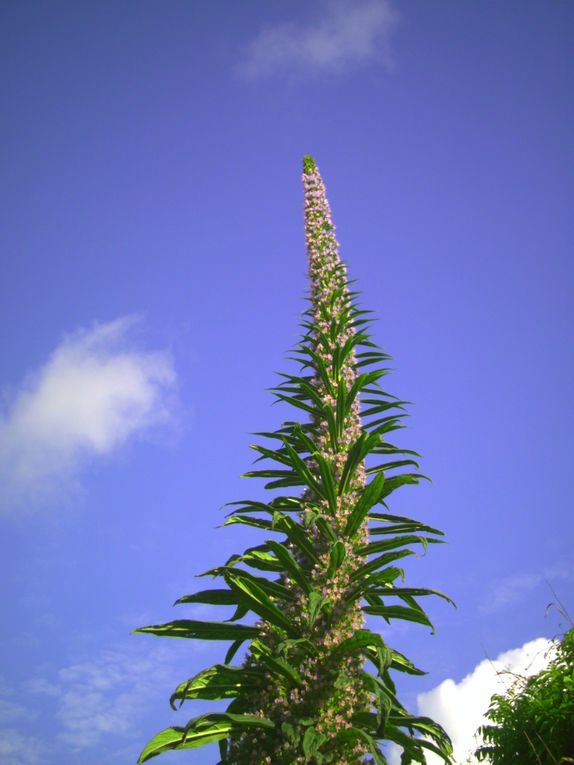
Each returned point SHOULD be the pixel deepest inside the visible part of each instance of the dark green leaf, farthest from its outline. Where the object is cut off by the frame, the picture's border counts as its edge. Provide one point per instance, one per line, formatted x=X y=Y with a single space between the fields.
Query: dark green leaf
x=277 y=664
x=212 y=597
x=399 y=612
x=202 y=730
x=259 y=602
x=337 y=556
x=378 y=563
x=369 y=497
x=189 y=628
x=218 y=682
x=293 y=568
x=389 y=544
x=362 y=446
x=312 y=742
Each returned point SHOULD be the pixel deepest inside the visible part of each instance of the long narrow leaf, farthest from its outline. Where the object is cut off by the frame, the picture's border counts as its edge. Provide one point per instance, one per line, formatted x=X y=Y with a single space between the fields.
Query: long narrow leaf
x=293 y=568
x=399 y=612
x=258 y=601
x=211 y=597
x=189 y=628
x=369 y=497
x=218 y=682
x=200 y=731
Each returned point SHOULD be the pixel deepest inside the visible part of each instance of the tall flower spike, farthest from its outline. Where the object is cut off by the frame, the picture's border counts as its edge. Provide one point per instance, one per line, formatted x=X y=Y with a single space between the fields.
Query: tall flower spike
x=302 y=694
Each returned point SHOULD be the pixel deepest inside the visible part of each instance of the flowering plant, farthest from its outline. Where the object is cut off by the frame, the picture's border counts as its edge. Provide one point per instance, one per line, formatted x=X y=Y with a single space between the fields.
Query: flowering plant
x=303 y=692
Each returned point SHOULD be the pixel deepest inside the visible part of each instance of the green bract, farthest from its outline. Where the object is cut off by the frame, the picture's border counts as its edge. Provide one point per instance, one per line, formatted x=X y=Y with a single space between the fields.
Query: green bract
x=315 y=684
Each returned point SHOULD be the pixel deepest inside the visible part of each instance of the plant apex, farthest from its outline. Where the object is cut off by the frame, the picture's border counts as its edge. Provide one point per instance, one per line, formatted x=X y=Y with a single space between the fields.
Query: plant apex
x=309 y=164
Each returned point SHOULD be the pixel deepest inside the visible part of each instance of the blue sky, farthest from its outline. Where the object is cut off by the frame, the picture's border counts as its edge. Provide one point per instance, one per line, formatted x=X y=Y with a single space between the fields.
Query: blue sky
x=152 y=279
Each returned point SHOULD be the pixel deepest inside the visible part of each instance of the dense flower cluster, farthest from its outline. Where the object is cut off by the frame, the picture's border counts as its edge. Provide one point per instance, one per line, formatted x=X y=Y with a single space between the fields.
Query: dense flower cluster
x=332 y=691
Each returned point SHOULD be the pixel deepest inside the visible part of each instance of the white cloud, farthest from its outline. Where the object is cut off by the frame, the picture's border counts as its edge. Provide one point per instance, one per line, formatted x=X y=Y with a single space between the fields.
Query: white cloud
x=344 y=35
x=460 y=707
x=93 y=394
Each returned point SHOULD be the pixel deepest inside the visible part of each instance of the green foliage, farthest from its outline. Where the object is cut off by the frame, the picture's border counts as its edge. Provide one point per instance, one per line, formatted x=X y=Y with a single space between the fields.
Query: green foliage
x=534 y=721
x=315 y=685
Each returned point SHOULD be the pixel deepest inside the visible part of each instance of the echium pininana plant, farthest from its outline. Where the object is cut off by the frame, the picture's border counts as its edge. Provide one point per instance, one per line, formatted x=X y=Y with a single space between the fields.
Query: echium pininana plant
x=315 y=684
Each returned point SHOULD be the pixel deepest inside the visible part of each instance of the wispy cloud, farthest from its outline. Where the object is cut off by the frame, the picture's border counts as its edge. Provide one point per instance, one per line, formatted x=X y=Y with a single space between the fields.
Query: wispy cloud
x=343 y=35
x=94 y=393
x=10 y=710
x=514 y=588
x=16 y=748
x=94 y=709
x=460 y=707
x=103 y=700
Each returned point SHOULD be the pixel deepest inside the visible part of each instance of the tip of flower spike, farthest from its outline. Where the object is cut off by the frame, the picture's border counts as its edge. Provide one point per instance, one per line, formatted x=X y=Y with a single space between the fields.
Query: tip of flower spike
x=309 y=164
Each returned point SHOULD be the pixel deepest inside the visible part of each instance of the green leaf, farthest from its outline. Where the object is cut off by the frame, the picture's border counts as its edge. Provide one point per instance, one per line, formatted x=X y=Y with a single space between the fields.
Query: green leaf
x=358 y=644
x=260 y=559
x=282 y=478
x=414 y=746
x=175 y=738
x=312 y=742
x=329 y=489
x=394 y=482
x=378 y=563
x=401 y=592
x=189 y=628
x=362 y=446
x=277 y=664
x=379 y=405
x=296 y=535
x=399 y=612
x=385 y=701
x=256 y=557
x=336 y=557
x=403 y=523
x=202 y=730
x=341 y=407
x=326 y=529
x=368 y=583
x=276 y=455
x=301 y=438
x=297 y=402
x=232 y=650
x=293 y=568
x=271 y=588
x=212 y=597
x=302 y=387
x=371 y=494
x=390 y=544
x=402 y=664
x=316 y=602
x=258 y=601
x=302 y=469
x=290 y=733
x=285 y=504
x=361 y=382
x=218 y=682
x=247 y=520
x=386 y=467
